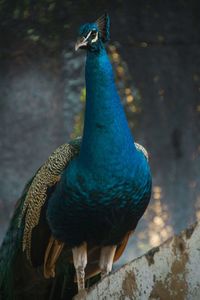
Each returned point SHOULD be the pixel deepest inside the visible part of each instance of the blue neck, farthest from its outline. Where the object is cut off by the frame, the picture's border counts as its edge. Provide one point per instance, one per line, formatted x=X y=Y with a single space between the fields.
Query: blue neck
x=106 y=137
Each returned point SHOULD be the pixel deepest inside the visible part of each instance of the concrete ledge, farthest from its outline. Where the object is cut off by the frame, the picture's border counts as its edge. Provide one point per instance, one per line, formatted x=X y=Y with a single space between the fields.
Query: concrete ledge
x=170 y=271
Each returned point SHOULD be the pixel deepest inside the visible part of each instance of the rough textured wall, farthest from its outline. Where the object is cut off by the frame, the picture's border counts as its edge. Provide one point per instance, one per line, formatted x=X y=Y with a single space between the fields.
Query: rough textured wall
x=168 y=272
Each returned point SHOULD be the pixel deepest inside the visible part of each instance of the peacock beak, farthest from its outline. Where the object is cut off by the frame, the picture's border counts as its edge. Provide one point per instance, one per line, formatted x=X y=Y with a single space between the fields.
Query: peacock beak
x=81 y=42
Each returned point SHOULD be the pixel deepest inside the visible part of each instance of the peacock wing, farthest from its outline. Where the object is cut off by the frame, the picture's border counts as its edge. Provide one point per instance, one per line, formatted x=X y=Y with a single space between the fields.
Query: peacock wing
x=41 y=187
x=28 y=234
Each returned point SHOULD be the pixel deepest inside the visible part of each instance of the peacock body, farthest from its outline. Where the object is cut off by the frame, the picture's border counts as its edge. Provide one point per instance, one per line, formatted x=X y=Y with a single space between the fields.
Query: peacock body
x=84 y=202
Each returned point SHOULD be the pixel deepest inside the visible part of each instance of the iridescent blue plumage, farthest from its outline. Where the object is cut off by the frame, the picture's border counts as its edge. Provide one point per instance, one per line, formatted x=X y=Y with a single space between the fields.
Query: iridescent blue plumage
x=105 y=190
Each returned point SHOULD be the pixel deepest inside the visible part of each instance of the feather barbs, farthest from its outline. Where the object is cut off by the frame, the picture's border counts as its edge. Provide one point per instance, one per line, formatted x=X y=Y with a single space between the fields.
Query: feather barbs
x=47 y=176
x=103 y=24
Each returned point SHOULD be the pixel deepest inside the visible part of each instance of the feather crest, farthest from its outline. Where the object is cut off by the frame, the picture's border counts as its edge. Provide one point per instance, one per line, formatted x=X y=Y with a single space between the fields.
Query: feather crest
x=103 y=24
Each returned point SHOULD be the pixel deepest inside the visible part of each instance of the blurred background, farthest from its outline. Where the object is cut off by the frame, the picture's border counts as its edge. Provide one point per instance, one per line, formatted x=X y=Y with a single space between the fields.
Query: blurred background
x=155 y=51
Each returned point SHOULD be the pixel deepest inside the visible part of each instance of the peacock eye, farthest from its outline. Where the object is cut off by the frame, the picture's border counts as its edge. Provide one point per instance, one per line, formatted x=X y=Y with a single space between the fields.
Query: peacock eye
x=93 y=33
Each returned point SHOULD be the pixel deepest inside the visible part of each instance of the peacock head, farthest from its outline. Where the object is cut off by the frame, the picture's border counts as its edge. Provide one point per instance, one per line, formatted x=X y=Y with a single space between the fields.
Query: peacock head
x=92 y=36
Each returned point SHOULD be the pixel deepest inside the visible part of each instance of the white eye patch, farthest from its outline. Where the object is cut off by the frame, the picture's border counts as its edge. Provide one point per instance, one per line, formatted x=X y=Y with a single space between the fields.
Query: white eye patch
x=95 y=38
x=88 y=35
x=94 y=35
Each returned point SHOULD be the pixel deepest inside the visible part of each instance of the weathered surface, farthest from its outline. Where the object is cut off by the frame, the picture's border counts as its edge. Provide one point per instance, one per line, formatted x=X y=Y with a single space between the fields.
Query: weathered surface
x=170 y=271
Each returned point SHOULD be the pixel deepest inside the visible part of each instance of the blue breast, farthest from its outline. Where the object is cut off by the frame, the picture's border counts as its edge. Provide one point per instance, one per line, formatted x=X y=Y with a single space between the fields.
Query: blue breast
x=86 y=207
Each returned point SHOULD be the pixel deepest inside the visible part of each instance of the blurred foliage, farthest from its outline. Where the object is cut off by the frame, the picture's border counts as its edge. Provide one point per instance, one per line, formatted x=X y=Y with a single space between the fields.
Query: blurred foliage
x=44 y=20
x=34 y=19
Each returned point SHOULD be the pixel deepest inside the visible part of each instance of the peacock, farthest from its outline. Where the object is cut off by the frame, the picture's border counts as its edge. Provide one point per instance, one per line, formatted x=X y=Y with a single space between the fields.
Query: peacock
x=76 y=214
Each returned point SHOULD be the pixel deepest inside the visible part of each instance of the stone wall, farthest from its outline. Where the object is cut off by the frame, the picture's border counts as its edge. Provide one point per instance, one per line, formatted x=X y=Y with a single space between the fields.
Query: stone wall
x=170 y=271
